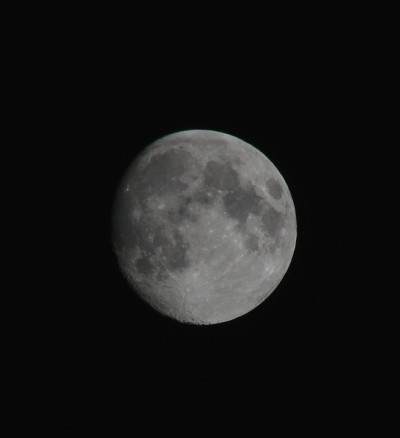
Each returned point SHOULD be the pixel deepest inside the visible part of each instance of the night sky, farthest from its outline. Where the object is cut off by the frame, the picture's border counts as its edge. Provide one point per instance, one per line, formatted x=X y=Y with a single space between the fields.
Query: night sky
x=91 y=86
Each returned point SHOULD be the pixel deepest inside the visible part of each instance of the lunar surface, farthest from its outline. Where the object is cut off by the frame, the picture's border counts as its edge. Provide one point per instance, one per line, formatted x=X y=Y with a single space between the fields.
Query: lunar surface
x=204 y=226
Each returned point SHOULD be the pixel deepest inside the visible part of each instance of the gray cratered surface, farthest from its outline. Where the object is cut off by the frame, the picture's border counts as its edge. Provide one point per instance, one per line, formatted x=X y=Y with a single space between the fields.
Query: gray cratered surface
x=204 y=226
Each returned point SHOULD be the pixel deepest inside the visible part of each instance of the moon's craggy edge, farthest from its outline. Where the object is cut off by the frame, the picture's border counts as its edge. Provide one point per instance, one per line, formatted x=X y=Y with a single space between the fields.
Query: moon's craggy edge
x=180 y=190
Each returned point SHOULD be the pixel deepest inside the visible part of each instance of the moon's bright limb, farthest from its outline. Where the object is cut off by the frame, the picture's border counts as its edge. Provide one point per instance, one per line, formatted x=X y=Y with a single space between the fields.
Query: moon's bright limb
x=204 y=226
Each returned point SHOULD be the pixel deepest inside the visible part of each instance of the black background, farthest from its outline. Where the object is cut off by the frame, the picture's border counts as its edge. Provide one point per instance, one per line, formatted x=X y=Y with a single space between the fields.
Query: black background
x=90 y=86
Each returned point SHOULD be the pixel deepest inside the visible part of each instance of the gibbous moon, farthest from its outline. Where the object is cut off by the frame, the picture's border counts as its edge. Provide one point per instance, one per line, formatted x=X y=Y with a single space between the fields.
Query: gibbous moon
x=203 y=227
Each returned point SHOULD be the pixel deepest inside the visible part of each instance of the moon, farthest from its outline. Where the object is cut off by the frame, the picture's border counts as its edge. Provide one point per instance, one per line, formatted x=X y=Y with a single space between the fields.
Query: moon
x=203 y=226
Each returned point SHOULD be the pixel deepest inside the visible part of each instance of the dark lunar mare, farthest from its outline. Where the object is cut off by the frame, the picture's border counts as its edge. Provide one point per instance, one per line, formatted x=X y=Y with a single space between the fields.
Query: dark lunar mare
x=145 y=236
x=161 y=176
x=274 y=188
x=241 y=201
